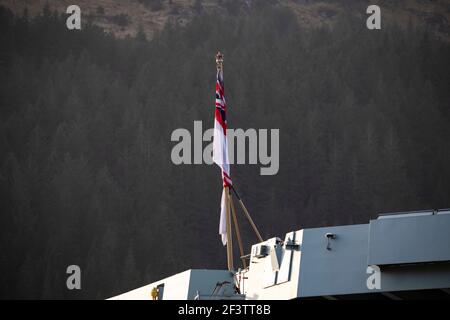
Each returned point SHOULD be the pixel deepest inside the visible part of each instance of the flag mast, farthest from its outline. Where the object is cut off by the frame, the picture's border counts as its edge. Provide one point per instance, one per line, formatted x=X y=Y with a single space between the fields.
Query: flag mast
x=229 y=237
x=220 y=157
x=226 y=191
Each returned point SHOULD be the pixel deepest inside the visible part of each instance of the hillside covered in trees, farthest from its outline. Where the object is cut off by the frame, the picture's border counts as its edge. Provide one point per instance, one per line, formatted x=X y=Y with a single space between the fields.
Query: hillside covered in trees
x=86 y=176
x=127 y=18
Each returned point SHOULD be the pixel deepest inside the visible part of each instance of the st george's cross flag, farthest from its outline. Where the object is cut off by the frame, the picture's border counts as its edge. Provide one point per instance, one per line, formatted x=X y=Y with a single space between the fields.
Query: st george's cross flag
x=220 y=149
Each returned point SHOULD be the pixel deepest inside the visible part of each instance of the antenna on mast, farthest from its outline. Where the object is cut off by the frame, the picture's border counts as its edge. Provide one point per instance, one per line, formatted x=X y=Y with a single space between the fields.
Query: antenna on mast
x=219 y=61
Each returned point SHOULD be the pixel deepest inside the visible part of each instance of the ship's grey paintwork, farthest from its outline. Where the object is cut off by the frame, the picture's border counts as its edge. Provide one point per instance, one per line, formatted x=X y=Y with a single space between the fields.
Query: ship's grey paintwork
x=406 y=239
x=411 y=251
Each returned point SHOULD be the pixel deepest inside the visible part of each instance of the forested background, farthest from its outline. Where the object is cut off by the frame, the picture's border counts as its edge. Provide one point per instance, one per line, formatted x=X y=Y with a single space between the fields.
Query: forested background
x=85 y=123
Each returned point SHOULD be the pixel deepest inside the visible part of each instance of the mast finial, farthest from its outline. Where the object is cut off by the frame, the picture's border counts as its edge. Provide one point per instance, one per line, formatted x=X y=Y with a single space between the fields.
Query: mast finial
x=219 y=60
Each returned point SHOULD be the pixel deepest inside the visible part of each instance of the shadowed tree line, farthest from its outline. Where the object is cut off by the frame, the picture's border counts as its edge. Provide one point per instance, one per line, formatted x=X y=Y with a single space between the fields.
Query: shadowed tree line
x=85 y=123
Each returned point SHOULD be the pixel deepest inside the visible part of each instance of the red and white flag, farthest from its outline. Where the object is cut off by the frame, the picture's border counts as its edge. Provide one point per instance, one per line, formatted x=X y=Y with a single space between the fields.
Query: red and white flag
x=220 y=149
